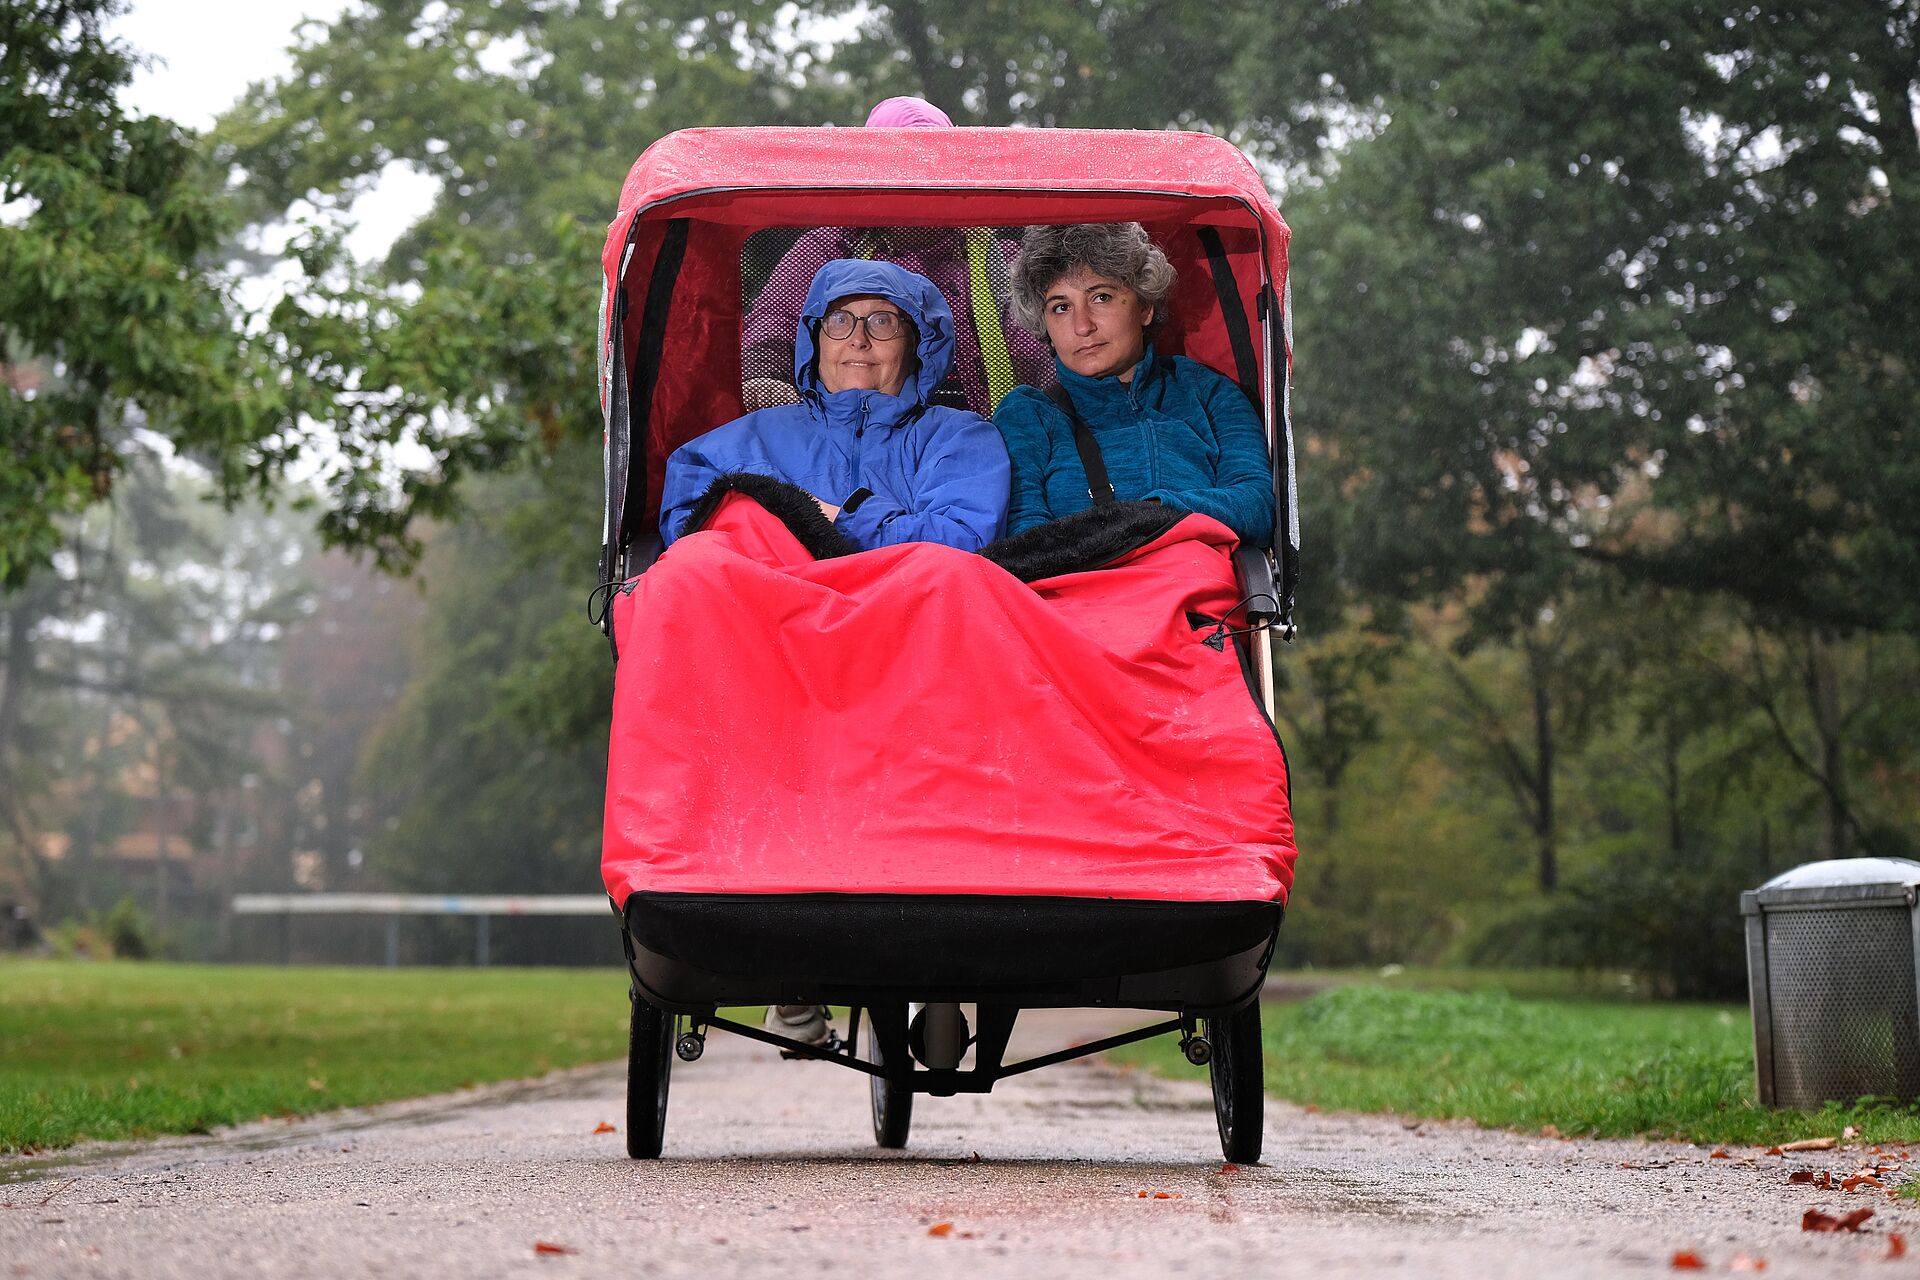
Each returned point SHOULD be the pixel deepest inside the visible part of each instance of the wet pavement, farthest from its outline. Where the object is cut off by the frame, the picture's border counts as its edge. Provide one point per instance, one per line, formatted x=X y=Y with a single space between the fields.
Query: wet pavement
x=770 y=1170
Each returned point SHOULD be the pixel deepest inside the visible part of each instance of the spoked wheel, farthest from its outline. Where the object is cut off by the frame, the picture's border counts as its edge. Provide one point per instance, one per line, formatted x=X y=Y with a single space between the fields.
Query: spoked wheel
x=892 y=1103
x=1239 y=1093
x=649 y=1065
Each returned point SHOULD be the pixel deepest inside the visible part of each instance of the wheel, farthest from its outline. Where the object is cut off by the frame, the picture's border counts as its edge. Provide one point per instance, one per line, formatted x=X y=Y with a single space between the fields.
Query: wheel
x=892 y=1103
x=649 y=1065
x=1239 y=1088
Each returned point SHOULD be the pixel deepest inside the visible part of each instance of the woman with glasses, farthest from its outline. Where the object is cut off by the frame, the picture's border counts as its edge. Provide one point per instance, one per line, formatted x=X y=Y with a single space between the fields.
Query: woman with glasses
x=884 y=464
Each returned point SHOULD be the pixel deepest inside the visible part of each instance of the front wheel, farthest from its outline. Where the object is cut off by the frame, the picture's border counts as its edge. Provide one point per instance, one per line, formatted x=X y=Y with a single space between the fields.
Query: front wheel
x=649 y=1066
x=1238 y=1069
x=892 y=1102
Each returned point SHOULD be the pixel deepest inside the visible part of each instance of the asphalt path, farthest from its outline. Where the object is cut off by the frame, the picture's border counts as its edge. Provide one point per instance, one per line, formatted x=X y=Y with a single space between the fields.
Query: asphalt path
x=770 y=1171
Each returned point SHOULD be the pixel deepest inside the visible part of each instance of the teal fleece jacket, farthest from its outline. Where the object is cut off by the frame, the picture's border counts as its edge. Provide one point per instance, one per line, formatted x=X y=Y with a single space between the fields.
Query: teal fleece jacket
x=1177 y=432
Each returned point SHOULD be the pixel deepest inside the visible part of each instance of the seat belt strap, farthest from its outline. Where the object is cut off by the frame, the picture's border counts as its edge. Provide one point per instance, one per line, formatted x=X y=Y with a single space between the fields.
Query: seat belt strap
x=1099 y=488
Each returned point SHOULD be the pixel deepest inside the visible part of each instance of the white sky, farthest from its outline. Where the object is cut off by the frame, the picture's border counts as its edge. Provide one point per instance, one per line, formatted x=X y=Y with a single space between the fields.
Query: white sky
x=204 y=54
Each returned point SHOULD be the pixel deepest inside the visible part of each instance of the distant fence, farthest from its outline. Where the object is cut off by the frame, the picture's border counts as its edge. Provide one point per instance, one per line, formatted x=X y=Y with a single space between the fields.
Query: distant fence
x=392 y=906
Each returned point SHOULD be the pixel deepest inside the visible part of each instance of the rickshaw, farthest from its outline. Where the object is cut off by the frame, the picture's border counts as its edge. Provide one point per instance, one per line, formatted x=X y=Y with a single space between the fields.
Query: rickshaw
x=762 y=897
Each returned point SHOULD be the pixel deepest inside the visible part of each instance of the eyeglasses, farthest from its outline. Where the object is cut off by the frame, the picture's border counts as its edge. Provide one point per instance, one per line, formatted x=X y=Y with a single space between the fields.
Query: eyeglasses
x=881 y=326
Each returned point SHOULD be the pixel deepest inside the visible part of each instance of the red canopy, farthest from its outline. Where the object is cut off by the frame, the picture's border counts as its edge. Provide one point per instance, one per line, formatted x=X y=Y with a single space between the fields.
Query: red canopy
x=673 y=261
x=985 y=177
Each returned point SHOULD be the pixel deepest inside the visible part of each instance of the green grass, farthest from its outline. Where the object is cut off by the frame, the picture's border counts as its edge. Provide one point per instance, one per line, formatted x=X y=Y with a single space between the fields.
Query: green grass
x=135 y=1050
x=1586 y=1066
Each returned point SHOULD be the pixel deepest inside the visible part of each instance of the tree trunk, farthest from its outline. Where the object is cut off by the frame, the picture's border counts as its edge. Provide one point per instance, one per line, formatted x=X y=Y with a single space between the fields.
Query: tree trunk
x=1540 y=669
x=1676 y=822
x=162 y=823
x=16 y=667
x=1823 y=704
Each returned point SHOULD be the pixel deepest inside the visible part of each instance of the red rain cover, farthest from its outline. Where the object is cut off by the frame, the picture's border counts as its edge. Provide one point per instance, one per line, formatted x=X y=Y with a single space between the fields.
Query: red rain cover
x=915 y=719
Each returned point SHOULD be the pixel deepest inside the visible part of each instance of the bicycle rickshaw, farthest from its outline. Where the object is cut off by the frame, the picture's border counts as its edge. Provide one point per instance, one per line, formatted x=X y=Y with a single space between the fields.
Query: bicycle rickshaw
x=1052 y=788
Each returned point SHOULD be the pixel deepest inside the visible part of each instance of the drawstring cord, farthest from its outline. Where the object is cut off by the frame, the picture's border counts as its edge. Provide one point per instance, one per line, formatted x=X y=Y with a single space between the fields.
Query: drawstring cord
x=1217 y=638
x=600 y=602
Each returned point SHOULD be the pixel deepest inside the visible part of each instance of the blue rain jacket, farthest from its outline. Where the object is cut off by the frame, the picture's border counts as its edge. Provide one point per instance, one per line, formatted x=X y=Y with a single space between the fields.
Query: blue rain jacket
x=1178 y=432
x=935 y=474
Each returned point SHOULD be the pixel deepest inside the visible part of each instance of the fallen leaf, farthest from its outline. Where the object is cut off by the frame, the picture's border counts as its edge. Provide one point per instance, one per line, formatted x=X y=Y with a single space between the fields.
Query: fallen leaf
x=1550 y=1131
x=1742 y=1262
x=969 y=1235
x=1687 y=1260
x=1229 y=1167
x=1859 y=1180
x=976 y=1158
x=1815 y=1220
x=1896 y=1245
x=1141 y=1195
x=547 y=1247
x=1811 y=1144
x=1311 y=1110
x=1775 y=1151
x=1162 y=1195
x=1800 y=1175
x=940 y=1229
x=1876 y=1151
x=1719 y=1153
x=603 y=1127
x=1849 y=1133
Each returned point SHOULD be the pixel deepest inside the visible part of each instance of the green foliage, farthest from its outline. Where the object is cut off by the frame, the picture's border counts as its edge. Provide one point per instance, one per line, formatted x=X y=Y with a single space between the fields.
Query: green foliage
x=1587 y=1068
x=121 y=933
x=1624 y=283
x=134 y=675
x=113 y=1051
x=494 y=761
x=1676 y=924
x=108 y=299
x=128 y=932
x=471 y=349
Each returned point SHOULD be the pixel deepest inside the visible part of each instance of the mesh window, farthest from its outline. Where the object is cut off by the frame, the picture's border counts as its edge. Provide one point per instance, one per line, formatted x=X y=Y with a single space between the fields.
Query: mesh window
x=991 y=353
x=1841 y=992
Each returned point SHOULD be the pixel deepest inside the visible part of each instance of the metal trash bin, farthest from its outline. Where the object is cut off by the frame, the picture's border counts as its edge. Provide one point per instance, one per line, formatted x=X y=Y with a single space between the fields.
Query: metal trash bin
x=1831 y=955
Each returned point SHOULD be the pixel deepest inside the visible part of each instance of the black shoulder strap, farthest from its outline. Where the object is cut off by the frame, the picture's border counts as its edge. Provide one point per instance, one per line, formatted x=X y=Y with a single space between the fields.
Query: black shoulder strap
x=1099 y=488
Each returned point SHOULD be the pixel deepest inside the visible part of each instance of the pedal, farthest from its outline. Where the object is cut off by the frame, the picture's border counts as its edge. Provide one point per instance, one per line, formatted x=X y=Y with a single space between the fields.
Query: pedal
x=832 y=1044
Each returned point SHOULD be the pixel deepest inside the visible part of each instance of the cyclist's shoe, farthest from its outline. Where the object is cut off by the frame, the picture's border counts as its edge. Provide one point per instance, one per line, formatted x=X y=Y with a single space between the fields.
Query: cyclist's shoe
x=806 y=1023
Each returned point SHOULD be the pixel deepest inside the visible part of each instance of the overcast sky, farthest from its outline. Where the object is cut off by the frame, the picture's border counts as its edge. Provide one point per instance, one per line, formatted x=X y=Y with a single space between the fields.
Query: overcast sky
x=204 y=54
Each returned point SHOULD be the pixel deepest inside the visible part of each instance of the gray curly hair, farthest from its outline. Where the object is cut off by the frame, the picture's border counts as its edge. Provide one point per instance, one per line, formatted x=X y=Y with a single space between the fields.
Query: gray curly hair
x=1117 y=251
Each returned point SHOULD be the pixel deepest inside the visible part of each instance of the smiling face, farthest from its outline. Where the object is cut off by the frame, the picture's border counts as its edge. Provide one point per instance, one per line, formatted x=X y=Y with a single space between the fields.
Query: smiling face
x=859 y=363
x=1098 y=327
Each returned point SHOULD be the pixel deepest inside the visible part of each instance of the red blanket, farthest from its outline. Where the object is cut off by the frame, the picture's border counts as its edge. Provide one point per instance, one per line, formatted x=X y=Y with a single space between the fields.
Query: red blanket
x=916 y=719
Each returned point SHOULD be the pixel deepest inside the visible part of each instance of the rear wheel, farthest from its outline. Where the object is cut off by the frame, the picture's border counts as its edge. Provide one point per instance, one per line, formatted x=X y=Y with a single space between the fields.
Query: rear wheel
x=649 y=1065
x=892 y=1102
x=1238 y=1069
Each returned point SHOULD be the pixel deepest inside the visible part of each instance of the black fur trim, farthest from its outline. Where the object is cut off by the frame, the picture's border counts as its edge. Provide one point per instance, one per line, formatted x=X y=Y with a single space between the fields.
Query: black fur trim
x=1084 y=540
x=789 y=504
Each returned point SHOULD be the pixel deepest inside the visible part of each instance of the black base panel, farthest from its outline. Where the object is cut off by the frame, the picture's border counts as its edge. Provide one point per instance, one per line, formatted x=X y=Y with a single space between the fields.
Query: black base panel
x=693 y=951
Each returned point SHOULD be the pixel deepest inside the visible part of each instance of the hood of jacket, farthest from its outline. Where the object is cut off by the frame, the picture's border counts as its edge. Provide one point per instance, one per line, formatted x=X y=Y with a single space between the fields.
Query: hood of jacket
x=915 y=295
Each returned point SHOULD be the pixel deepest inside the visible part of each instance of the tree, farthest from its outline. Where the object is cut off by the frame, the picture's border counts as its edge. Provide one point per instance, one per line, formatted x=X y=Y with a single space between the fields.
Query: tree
x=133 y=675
x=493 y=761
x=1624 y=283
x=109 y=297
x=471 y=349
